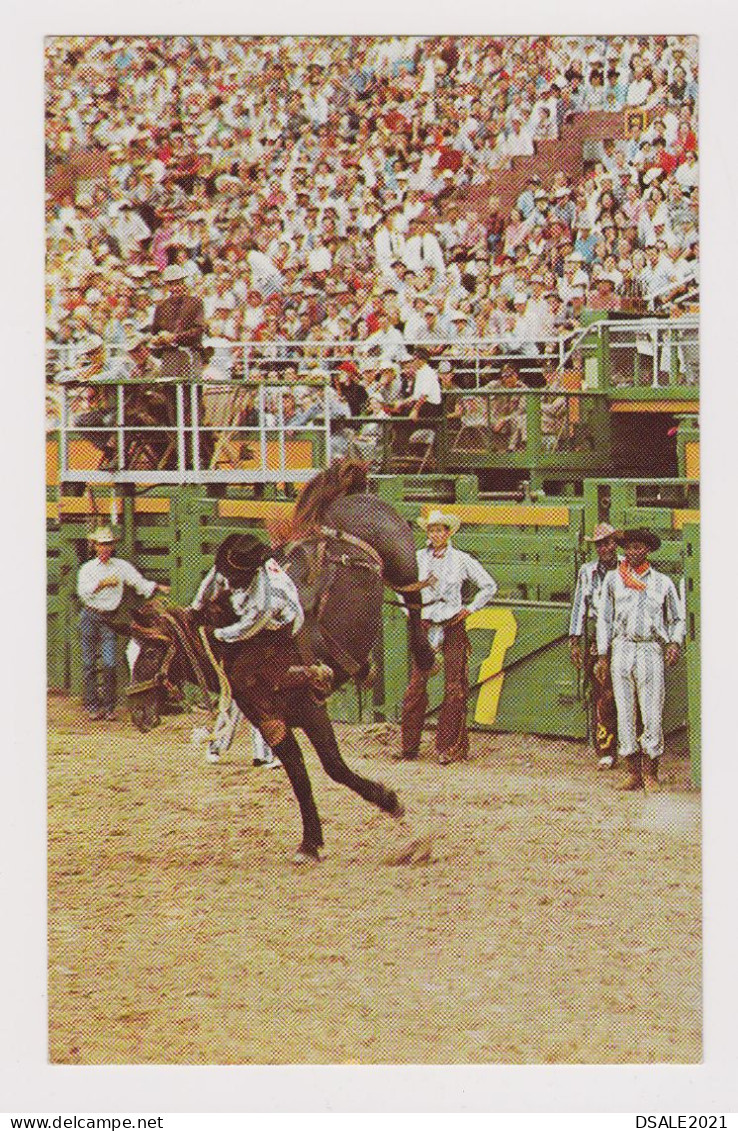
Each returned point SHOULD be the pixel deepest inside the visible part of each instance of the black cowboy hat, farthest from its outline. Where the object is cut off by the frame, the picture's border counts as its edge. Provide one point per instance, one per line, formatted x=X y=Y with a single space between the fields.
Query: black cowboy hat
x=239 y=556
x=651 y=541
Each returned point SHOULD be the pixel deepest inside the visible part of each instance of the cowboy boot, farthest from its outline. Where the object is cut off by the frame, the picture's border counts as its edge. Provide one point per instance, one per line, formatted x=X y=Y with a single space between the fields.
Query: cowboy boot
x=109 y=694
x=90 y=697
x=649 y=773
x=633 y=780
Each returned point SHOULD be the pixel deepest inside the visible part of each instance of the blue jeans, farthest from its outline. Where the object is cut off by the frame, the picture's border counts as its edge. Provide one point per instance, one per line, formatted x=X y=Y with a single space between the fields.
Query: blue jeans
x=96 y=639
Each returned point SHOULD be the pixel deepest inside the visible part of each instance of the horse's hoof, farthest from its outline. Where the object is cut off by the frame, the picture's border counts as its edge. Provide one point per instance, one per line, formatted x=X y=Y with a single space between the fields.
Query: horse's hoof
x=306 y=856
x=138 y=719
x=418 y=851
x=391 y=804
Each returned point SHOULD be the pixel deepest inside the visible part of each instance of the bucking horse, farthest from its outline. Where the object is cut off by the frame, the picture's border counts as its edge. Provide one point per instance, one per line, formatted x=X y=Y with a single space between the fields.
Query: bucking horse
x=342 y=547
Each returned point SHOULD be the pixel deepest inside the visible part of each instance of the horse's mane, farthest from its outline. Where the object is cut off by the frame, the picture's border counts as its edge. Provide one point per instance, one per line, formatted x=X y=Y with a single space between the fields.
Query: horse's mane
x=346 y=476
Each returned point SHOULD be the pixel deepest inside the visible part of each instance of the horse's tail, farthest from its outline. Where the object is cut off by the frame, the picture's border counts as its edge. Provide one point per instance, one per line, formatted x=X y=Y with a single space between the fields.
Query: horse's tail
x=346 y=476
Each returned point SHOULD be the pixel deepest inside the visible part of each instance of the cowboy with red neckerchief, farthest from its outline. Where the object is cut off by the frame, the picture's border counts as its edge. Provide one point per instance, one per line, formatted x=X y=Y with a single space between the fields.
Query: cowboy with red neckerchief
x=640 y=621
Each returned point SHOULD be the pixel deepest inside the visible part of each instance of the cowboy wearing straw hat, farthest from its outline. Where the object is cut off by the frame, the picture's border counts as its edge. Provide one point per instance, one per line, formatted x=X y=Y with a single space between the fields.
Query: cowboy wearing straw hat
x=444 y=569
x=641 y=620
x=582 y=642
x=100 y=583
x=178 y=327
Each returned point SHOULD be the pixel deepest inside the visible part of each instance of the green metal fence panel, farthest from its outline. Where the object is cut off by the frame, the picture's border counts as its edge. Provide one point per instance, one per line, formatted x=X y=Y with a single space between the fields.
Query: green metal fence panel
x=521 y=676
x=608 y=500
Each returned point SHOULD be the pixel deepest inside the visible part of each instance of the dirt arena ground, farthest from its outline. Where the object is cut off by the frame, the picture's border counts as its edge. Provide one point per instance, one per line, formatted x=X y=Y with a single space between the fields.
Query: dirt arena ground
x=556 y=920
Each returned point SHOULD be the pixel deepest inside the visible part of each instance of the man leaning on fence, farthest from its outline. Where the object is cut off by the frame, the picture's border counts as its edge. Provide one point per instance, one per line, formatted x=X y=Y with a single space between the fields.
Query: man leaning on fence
x=583 y=640
x=178 y=327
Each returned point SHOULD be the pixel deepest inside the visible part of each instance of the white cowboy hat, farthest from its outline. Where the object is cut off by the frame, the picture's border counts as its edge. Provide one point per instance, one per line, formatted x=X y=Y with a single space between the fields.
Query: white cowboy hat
x=602 y=531
x=440 y=518
x=102 y=535
x=227 y=181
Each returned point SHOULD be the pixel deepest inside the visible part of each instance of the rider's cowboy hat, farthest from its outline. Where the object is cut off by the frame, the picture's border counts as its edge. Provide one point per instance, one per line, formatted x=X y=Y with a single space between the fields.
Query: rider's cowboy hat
x=239 y=556
x=102 y=535
x=650 y=540
x=602 y=531
x=439 y=518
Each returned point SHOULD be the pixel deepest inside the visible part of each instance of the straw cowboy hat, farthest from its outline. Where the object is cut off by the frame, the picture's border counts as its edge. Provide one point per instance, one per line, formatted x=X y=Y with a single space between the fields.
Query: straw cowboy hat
x=103 y=535
x=651 y=541
x=602 y=531
x=239 y=556
x=439 y=518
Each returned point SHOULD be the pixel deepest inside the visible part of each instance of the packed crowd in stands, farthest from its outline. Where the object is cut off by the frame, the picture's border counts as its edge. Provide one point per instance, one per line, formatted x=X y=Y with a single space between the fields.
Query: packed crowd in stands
x=312 y=190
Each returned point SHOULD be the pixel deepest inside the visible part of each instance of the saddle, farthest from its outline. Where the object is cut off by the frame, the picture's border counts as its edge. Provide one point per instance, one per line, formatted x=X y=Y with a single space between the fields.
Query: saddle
x=313 y=561
x=170 y=626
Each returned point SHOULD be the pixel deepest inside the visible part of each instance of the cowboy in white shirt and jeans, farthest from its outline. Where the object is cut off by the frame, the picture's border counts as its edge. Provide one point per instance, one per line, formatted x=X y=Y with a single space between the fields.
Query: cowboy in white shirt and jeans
x=444 y=569
x=100 y=583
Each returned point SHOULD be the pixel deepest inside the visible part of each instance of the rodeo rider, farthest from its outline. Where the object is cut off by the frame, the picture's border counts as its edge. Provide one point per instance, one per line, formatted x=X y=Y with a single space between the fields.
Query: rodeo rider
x=261 y=595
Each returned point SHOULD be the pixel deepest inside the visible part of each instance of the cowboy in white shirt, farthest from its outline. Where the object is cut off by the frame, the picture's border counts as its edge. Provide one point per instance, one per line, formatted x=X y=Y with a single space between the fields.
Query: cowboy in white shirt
x=100 y=584
x=444 y=569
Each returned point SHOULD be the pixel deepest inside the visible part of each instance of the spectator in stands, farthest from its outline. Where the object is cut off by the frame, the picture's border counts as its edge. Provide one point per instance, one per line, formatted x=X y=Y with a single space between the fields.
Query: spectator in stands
x=178 y=328
x=509 y=413
x=229 y=190
x=425 y=399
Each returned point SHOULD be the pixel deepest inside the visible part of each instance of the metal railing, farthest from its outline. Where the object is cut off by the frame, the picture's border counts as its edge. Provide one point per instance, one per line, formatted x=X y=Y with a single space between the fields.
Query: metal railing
x=671 y=344
x=475 y=361
x=647 y=352
x=229 y=427
x=176 y=432
x=250 y=433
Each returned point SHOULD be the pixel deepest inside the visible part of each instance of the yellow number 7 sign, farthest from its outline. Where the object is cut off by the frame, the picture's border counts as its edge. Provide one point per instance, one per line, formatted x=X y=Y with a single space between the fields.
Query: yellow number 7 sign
x=491 y=675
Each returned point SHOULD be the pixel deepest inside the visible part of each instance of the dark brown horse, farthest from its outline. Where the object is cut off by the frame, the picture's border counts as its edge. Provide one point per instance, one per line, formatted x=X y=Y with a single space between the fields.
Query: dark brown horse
x=343 y=546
